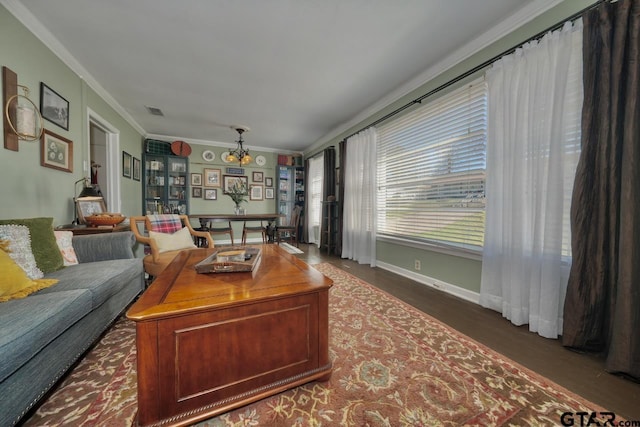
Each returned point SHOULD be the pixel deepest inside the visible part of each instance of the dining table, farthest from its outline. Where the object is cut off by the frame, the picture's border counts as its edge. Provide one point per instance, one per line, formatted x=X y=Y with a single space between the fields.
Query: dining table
x=270 y=218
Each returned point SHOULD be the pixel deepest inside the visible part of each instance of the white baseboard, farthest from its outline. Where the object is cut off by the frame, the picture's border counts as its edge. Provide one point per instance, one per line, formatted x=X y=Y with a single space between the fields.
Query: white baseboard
x=454 y=290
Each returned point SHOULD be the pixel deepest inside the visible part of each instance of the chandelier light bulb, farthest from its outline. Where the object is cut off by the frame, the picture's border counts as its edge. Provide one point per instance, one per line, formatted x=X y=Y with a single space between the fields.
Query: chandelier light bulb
x=240 y=155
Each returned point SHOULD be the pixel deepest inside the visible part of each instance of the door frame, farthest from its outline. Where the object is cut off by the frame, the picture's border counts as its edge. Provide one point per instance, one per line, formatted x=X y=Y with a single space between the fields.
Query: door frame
x=113 y=158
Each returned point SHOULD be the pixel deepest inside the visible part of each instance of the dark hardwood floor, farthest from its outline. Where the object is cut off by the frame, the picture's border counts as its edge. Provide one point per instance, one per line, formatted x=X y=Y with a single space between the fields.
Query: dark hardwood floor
x=582 y=374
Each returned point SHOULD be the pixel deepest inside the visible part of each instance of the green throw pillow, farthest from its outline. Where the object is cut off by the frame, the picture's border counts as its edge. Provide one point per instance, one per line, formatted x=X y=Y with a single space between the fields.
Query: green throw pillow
x=43 y=242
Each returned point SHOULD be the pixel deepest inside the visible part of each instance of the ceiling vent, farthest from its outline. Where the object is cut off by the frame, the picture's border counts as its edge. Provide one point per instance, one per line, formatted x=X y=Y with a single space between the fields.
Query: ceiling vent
x=154 y=111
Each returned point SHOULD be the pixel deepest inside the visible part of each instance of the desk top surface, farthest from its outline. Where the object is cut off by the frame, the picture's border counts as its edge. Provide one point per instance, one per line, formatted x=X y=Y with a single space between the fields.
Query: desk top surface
x=179 y=289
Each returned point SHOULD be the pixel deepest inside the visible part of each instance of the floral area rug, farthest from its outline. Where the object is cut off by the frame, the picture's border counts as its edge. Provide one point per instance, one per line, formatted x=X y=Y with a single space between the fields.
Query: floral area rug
x=392 y=366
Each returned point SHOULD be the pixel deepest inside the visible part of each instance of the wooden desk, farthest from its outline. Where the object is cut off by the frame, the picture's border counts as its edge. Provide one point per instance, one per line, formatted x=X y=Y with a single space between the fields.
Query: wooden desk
x=209 y=343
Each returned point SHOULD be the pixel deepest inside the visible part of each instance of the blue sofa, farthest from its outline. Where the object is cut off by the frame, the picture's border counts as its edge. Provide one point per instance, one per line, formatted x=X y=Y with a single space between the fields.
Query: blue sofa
x=44 y=334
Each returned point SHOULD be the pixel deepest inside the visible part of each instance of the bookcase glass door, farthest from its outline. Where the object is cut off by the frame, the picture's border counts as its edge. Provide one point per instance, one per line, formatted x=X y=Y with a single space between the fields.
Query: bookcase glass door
x=165 y=184
x=289 y=191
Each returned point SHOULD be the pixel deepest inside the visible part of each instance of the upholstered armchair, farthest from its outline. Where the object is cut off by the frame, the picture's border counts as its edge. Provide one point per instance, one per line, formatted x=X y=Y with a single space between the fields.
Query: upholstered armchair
x=166 y=236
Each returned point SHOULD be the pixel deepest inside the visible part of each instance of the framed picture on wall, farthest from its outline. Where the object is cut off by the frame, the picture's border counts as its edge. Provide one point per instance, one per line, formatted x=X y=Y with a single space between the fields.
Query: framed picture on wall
x=210 y=194
x=126 y=164
x=212 y=178
x=196 y=192
x=269 y=193
x=256 y=192
x=230 y=180
x=56 y=152
x=196 y=179
x=136 y=169
x=54 y=107
x=257 y=177
x=268 y=182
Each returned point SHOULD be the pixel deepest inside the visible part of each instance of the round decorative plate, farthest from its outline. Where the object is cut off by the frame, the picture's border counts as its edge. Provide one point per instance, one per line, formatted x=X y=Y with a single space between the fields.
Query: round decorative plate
x=224 y=155
x=261 y=161
x=180 y=148
x=208 y=155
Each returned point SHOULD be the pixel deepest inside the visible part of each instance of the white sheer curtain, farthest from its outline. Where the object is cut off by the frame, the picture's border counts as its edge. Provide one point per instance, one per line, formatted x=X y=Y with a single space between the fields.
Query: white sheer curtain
x=314 y=199
x=535 y=102
x=359 y=215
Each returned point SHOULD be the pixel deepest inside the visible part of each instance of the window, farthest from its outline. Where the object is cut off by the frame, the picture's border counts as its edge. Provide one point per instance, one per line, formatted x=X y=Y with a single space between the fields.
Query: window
x=314 y=200
x=431 y=171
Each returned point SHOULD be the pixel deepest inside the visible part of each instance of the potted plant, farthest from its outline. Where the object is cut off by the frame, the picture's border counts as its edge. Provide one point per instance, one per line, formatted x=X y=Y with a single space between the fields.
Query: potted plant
x=238 y=193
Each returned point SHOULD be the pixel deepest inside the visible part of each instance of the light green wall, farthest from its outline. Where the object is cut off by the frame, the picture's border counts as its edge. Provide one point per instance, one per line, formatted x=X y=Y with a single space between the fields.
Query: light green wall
x=131 y=141
x=28 y=189
x=224 y=204
x=455 y=270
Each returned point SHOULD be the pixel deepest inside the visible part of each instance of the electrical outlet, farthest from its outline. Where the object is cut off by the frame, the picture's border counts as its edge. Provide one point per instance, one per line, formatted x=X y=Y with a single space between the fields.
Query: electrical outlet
x=416 y=264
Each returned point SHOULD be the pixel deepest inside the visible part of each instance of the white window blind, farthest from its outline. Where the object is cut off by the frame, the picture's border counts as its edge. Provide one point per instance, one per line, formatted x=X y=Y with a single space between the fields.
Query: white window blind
x=431 y=171
x=314 y=199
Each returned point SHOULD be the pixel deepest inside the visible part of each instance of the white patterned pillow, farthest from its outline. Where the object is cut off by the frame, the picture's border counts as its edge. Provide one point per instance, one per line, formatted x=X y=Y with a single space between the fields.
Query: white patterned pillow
x=20 y=249
x=173 y=241
x=64 y=241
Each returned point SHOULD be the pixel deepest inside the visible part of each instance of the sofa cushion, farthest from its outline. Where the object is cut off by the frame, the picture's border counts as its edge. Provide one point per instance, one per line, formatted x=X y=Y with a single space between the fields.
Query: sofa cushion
x=27 y=325
x=43 y=242
x=19 y=248
x=14 y=282
x=102 y=278
x=64 y=240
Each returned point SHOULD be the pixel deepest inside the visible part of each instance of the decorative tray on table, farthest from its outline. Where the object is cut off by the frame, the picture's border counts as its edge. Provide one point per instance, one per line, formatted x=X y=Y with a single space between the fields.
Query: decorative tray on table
x=229 y=260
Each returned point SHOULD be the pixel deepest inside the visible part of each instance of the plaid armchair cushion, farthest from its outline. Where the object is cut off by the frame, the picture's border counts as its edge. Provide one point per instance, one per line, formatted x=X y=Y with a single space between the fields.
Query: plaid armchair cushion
x=166 y=223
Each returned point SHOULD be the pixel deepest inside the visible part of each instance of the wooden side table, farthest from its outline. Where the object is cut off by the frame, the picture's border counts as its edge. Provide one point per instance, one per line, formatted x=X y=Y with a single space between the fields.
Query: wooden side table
x=79 y=230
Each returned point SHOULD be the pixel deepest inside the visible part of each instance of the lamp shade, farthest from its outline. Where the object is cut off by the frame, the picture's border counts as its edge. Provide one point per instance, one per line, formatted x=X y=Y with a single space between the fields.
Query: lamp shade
x=89 y=191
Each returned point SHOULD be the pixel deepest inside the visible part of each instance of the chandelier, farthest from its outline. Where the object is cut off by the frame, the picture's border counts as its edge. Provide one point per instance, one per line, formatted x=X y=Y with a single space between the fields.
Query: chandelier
x=240 y=155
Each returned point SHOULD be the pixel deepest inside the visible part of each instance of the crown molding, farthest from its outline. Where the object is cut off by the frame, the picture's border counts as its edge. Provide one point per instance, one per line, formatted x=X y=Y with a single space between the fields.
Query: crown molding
x=526 y=14
x=22 y=14
x=209 y=143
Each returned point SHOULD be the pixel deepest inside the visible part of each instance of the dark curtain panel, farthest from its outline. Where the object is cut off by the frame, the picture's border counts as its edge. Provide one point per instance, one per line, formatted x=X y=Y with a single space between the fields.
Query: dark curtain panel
x=602 y=306
x=329 y=183
x=343 y=159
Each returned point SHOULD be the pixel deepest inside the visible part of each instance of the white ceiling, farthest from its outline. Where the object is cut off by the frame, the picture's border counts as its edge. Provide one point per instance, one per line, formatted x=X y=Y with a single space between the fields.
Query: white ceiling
x=297 y=72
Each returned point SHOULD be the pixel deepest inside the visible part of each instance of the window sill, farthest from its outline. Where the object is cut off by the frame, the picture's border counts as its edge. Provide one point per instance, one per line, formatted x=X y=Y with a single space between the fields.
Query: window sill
x=453 y=251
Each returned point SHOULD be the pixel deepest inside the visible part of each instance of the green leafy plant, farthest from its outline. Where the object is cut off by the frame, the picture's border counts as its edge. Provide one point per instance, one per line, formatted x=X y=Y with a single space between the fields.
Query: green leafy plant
x=238 y=192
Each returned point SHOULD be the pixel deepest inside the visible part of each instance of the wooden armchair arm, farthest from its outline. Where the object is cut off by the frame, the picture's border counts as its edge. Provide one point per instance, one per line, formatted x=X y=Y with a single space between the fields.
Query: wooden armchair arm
x=133 y=222
x=202 y=234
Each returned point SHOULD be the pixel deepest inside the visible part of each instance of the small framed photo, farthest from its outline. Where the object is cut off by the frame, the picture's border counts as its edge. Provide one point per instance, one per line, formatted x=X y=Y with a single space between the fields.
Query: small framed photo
x=196 y=192
x=54 y=107
x=230 y=180
x=212 y=177
x=268 y=182
x=126 y=164
x=56 y=152
x=136 y=169
x=210 y=194
x=89 y=206
x=257 y=177
x=256 y=192
x=269 y=193
x=196 y=179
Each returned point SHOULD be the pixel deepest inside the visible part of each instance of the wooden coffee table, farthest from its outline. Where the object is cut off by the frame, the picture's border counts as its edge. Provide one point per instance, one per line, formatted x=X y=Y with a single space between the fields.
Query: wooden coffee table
x=209 y=343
